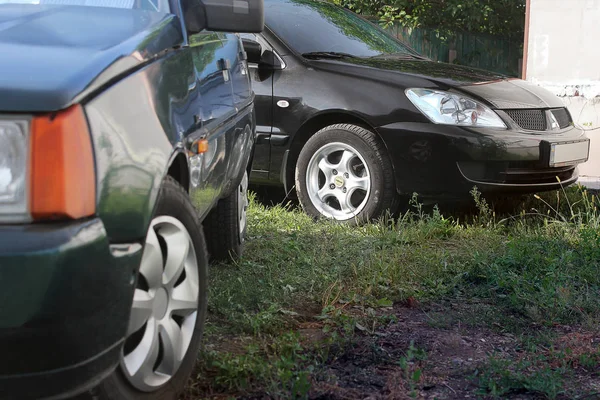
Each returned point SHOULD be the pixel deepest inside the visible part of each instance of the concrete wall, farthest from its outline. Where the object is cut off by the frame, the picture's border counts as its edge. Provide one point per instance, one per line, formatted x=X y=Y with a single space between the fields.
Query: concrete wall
x=563 y=55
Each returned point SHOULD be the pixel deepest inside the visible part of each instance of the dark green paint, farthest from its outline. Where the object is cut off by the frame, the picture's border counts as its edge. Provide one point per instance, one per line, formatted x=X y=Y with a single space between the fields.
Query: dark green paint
x=45 y=268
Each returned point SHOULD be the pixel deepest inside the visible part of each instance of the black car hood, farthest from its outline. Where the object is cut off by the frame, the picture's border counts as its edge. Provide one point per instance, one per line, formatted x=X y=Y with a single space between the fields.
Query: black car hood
x=52 y=56
x=498 y=90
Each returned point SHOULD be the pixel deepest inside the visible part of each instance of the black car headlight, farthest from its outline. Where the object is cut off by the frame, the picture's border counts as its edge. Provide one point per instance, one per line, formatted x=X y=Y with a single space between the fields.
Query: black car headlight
x=454 y=109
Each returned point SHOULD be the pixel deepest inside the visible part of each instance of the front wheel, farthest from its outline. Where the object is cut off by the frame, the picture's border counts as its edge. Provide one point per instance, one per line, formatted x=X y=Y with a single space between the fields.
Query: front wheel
x=169 y=306
x=225 y=226
x=343 y=173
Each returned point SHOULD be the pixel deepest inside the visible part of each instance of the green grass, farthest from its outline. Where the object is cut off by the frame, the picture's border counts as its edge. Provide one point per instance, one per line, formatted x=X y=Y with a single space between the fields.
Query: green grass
x=537 y=266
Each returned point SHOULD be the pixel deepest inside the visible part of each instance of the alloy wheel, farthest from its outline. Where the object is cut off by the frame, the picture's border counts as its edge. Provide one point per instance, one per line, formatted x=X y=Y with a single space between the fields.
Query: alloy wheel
x=338 y=181
x=165 y=306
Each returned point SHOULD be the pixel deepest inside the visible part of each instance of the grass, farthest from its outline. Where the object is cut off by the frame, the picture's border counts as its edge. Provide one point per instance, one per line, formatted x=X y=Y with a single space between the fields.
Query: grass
x=308 y=291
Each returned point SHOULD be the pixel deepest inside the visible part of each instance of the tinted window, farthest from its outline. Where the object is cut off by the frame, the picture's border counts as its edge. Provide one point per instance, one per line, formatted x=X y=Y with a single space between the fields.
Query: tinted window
x=314 y=26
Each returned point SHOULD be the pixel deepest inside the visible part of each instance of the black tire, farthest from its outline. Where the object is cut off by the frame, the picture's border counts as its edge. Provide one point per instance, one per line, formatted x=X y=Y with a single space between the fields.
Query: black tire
x=382 y=197
x=172 y=201
x=225 y=233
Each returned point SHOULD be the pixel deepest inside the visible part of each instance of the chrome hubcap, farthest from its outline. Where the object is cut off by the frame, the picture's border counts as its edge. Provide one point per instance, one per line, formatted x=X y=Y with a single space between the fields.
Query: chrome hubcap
x=243 y=205
x=165 y=306
x=338 y=181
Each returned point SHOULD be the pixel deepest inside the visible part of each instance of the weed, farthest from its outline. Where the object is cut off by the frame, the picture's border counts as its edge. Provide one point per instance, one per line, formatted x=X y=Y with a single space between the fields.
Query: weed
x=501 y=377
x=276 y=366
x=411 y=367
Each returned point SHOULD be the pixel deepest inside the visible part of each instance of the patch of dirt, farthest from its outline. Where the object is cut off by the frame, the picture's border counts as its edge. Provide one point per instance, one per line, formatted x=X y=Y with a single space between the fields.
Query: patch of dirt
x=433 y=352
x=227 y=343
x=381 y=366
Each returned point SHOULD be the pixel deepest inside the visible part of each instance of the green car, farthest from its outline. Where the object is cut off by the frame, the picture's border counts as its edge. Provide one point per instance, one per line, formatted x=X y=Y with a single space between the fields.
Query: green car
x=126 y=133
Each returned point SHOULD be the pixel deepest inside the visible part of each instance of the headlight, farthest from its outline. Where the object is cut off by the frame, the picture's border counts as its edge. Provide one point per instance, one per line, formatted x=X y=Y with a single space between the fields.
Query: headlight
x=453 y=109
x=14 y=151
x=47 y=169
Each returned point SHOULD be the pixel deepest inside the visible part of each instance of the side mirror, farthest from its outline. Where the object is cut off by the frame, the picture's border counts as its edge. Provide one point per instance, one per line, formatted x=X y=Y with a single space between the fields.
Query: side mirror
x=271 y=61
x=253 y=50
x=244 y=16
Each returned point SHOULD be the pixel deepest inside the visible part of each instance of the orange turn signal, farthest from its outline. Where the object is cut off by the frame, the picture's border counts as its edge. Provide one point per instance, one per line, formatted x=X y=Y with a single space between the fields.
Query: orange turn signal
x=198 y=147
x=62 y=180
x=202 y=146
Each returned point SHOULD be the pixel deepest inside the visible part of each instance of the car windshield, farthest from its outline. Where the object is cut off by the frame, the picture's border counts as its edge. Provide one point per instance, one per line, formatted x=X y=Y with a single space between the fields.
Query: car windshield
x=151 y=5
x=312 y=26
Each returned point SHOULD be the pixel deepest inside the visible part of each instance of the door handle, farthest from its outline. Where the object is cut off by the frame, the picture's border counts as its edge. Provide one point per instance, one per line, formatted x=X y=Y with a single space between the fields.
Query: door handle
x=224 y=64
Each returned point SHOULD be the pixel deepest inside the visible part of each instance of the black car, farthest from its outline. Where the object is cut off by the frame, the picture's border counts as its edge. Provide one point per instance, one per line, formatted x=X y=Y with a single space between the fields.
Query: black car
x=126 y=131
x=351 y=118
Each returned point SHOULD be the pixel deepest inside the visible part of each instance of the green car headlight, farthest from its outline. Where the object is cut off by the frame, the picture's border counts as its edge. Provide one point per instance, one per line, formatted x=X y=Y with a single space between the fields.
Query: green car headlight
x=13 y=170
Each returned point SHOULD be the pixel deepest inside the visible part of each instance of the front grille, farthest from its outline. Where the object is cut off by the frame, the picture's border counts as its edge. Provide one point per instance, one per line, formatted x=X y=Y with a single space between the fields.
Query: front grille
x=562 y=117
x=531 y=120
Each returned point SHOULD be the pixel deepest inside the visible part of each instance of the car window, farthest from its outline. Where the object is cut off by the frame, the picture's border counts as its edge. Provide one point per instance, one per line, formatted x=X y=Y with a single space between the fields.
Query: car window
x=314 y=26
x=150 y=5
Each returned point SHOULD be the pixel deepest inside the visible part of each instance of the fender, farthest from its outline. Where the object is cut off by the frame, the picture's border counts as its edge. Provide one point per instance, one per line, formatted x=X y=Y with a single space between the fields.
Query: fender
x=136 y=141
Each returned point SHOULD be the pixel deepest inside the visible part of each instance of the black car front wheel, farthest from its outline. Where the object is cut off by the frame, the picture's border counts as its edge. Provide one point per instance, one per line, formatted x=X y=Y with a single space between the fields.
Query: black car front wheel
x=169 y=305
x=343 y=173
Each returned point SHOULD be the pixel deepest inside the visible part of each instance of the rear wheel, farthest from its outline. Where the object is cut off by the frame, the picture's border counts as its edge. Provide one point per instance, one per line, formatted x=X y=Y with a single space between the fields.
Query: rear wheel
x=169 y=305
x=344 y=173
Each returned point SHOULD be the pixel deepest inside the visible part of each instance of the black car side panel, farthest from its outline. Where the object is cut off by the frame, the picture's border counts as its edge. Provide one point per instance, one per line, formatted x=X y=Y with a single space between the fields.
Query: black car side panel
x=311 y=92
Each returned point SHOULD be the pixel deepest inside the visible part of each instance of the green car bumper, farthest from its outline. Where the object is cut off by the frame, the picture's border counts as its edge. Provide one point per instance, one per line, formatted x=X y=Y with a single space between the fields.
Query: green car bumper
x=65 y=298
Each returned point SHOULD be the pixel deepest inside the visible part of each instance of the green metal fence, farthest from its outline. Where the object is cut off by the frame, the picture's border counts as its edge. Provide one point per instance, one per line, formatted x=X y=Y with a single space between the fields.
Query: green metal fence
x=487 y=52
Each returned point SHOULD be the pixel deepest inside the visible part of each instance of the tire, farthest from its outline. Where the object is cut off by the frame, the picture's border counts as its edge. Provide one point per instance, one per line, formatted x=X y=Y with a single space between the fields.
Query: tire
x=343 y=173
x=225 y=226
x=177 y=229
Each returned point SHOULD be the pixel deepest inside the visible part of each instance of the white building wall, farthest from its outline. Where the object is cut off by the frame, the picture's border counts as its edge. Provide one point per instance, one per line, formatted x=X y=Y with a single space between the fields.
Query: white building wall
x=564 y=57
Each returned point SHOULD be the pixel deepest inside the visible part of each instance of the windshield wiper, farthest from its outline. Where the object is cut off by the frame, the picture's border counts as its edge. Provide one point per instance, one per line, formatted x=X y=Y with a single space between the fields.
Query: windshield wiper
x=327 y=54
x=405 y=56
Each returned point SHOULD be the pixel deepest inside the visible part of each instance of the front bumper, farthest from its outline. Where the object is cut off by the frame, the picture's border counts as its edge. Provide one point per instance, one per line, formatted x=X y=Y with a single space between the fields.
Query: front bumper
x=65 y=296
x=436 y=160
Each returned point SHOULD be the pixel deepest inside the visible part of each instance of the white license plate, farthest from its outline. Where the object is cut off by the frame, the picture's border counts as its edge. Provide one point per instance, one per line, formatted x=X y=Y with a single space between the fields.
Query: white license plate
x=562 y=154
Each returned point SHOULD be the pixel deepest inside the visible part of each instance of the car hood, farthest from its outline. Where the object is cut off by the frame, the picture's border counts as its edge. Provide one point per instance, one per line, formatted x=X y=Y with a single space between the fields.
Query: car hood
x=53 y=56
x=499 y=91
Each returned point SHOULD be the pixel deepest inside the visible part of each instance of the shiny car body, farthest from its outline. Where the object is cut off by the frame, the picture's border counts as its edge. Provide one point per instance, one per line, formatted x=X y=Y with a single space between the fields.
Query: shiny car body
x=148 y=89
x=322 y=65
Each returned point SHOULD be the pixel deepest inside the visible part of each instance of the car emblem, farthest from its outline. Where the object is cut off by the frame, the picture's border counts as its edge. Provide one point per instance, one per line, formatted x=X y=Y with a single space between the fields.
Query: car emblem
x=283 y=103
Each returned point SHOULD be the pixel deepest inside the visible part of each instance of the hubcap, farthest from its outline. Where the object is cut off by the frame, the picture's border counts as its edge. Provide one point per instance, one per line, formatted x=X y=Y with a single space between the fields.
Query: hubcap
x=338 y=181
x=165 y=306
x=243 y=205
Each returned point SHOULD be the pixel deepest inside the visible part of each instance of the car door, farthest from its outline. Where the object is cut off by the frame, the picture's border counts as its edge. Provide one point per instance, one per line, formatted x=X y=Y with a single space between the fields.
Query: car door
x=242 y=142
x=262 y=85
x=212 y=55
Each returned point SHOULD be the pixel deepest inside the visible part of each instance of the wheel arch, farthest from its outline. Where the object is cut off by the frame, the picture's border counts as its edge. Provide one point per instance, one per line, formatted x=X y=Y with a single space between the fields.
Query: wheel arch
x=179 y=168
x=311 y=127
